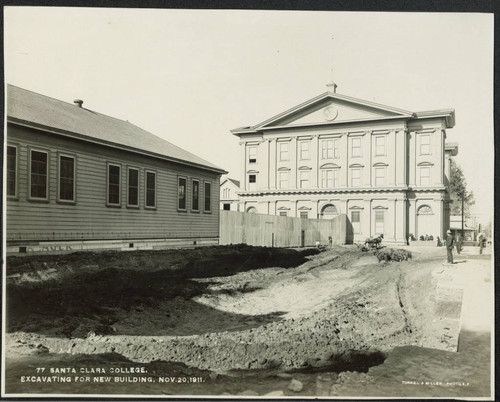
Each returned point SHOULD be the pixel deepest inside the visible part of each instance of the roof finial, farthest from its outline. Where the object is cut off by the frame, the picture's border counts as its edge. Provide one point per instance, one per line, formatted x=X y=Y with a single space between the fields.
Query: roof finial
x=332 y=87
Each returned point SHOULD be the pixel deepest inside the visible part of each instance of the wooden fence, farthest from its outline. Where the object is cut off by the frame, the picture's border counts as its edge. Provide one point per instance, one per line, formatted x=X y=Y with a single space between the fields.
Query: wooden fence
x=279 y=231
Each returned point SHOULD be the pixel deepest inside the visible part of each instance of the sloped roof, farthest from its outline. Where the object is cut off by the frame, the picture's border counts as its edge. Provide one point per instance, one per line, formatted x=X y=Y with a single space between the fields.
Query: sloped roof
x=39 y=111
x=235 y=182
x=320 y=100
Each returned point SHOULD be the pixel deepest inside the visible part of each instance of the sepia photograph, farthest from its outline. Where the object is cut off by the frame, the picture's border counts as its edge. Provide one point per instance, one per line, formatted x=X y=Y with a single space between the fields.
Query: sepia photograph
x=250 y=204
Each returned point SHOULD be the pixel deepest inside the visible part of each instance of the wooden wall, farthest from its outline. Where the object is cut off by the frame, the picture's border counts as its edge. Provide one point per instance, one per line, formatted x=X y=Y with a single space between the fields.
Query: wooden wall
x=89 y=218
x=279 y=231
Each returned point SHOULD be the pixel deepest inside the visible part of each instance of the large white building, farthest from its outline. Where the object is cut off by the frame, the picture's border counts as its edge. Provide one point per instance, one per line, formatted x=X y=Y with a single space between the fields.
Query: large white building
x=386 y=169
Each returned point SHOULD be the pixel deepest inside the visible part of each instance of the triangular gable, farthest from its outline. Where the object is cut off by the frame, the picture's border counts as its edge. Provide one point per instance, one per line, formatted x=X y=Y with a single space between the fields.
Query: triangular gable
x=332 y=108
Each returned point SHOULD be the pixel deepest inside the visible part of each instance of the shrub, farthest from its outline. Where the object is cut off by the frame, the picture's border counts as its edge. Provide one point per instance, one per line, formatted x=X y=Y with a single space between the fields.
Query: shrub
x=393 y=254
x=431 y=237
x=421 y=237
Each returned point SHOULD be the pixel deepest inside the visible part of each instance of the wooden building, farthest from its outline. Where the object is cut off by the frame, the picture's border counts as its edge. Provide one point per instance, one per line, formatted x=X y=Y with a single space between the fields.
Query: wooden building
x=229 y=190
x=78 y=179
x=385 y=169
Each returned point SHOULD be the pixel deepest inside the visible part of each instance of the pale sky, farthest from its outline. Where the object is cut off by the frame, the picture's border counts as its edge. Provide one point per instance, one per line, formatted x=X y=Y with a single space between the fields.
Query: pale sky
x=190 y=76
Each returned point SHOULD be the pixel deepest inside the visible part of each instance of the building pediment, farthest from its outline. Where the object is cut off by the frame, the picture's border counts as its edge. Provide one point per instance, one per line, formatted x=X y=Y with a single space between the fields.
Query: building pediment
x=329 y=108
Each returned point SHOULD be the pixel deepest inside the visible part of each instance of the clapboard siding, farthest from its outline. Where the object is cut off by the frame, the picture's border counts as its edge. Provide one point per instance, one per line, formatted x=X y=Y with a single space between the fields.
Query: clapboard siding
x=89 y=217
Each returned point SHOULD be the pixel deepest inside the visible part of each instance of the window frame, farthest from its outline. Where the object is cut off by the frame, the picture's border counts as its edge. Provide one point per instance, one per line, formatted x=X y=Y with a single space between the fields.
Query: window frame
x=428 y=136
x=304 y=150
x=353 y=139
x=150 y=171
x=284 y=151
x=356 y=229
x=179 y=208
x=205 y=210
x=302 y=174
x=14 y=196
x=59 y=156
x=422 y=169
x=254 y=149
x=284 y=173
x=193 y=209
x=377 y=146
x=302 y=213
x=383 y=170
x=326 y=150
x=110 y=204
x=47 y=184
x=382 y=213
x=129 y=168
x=358 y=169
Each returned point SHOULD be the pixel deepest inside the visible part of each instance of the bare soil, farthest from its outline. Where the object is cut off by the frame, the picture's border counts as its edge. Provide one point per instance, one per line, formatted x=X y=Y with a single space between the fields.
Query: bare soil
x=220 y=310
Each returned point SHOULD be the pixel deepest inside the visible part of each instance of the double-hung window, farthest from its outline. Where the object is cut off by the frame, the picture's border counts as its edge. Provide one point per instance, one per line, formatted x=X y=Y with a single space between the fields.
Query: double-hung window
x=304 y=150
x=252 y=154
x=283 y=180
x=114 y=178
x=379 y=222
x=208 y=197
x=380 y=176
x=252 y=182
x=425 y=175
x=355 y=221
x=355 y=177
x=327 y=178
x=133 y=187
x=38 y=175
x=195 y=203
x=66 y=178
x=150 y=189
x=304 y=179
x=327 y=149
x=380 y=145
x=425 y=144
x=356 y=147
x=283 y=151
x=11 y=171
x=181 y=194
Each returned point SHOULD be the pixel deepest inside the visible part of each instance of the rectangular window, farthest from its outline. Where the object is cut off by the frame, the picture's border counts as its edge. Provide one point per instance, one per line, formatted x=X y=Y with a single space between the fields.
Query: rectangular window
x=207 y=197
x=150 y=189
x=336 y=148
x=304 y=215
x=283 y=151
x=356 y=147
x=195 y=206
x=380 y=176
x=133 y=187
x=304 y=179
x=252 y=154
x=356 y=221
x=335 y=178
x=283 y=177
x=181 y=194
x=38 y=175
x=425 y=176
x=113 y=184
x=304 y=150
x=327 y=178
x=379 y=146
x=425 y=144
x=252 y=182
x=66 y=178
x=11 y=171
x=355 y=177
x=379 y=222
x=327 y=149
x=283 y=213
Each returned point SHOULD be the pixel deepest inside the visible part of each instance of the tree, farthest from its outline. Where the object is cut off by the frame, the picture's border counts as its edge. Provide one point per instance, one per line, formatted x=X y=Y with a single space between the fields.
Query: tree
x=459 y=192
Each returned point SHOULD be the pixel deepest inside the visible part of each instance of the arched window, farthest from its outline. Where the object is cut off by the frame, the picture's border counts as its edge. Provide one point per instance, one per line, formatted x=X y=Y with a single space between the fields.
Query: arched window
x=329 y=211
x=425 y=210
x=252 y=210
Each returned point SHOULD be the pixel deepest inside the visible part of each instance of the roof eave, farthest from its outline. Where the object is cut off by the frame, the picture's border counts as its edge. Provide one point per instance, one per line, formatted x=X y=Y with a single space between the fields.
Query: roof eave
x=86 y=138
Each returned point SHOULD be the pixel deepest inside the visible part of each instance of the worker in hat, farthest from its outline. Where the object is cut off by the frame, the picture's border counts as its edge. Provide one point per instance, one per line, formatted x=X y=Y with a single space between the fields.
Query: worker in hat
x=450 y=243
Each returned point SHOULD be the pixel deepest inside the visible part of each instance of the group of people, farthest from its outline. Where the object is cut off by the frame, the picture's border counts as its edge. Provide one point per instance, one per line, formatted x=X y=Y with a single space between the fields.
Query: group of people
x=457 y=242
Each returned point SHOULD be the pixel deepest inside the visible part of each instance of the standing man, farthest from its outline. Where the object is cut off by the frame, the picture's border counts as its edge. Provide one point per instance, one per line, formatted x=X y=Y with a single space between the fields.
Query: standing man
x=450 y=243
